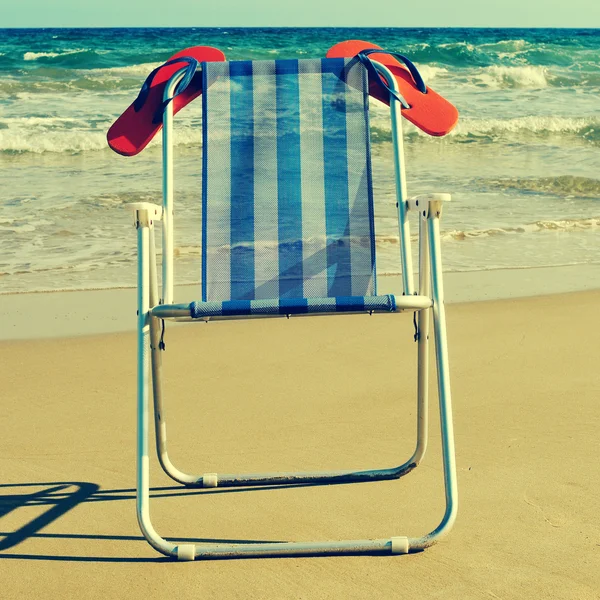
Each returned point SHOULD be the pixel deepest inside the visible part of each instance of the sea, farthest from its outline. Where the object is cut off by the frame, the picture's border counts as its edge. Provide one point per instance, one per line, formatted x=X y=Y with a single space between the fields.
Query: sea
x=522 y=165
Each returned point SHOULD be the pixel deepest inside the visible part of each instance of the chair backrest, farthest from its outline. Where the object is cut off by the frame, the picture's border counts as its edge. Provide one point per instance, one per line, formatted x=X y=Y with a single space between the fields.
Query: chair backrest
x=287 y=199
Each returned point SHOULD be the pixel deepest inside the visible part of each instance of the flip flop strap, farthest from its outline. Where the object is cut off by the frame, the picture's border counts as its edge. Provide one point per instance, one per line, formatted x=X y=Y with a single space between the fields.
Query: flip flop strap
x=192 y=66
x=374 y=75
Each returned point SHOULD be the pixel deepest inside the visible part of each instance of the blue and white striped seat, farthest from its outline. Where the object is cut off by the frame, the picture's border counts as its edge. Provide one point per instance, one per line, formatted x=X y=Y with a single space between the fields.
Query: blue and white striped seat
x=293 y=306
x=287 y=189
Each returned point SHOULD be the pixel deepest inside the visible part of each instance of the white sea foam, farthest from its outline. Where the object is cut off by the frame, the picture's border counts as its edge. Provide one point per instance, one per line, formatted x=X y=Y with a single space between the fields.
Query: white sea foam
x=530 y=124
x=18 y=141
x=386 y=240
x=429 y=72
x=498 y=76
x=141 y=70
x=37 y=55
x=518 y=44
x=44 y=122
x=462 y=45
x=418 y=46
x=537 y=227
x=582 y=127
x=527 y=228
x=51 y=134
x=507 y=48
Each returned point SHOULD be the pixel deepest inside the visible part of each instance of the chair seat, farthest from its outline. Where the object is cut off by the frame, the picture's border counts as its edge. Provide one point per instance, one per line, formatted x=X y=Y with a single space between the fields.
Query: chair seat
x=293 y=306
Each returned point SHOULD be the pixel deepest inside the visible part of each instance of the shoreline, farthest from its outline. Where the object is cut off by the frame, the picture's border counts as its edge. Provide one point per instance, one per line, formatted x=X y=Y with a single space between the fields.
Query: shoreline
x=63 y=314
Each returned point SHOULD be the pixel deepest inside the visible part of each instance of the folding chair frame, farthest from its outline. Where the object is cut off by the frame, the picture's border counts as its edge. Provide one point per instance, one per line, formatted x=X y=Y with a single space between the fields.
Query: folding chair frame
x=151 y=311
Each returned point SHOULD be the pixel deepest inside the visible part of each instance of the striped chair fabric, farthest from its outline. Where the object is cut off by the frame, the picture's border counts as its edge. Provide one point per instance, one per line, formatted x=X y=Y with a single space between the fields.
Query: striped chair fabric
x=287 y=200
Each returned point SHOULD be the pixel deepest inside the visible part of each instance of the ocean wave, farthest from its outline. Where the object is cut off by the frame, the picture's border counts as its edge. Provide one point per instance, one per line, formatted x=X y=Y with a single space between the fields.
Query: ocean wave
x=587 y=128
x=498 y=76
x=507 y=46
x=536 y=227
x=383 y=242
x=36 y=55
x=31 y=89
x=50 y=55
x=142 y=70
x=111 y=200
x=56 y=134
x=470 y=54
x=38 y=134
x=529 y=77
x=585 y=224
x=112 y=79
x=430 y=72
x=488 y=130
x=84 y=58
x=16 y=141
x=44 y=122
x=455 y=54
x=484 y=51
x=564 y=185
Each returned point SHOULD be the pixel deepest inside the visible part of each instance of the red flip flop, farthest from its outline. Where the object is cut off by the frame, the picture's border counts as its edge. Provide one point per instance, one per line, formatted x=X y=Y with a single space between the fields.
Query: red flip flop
x=134 y=129
x=430 y=112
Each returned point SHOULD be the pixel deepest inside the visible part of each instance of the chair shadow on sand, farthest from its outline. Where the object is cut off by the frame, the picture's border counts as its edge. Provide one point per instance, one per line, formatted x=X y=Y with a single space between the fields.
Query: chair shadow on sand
x=61 y=497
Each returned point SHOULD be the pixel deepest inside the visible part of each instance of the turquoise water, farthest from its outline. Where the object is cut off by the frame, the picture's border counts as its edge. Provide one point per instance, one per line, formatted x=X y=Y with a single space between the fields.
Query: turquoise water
x=523 y=164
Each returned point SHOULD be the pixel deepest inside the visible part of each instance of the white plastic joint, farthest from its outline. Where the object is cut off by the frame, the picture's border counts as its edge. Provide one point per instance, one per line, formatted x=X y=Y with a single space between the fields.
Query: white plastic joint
x=209 y=480
x=400 y=545
x=186 y=552
x=428 y=203
x=144 y=213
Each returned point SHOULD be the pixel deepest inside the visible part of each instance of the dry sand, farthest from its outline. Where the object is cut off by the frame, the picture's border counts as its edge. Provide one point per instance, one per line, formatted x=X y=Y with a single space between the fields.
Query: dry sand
x=252 y=397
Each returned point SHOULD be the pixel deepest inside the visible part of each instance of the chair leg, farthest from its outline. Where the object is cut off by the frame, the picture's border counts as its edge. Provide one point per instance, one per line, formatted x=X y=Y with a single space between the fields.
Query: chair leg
x=160 y=426
x=423 y=346
x=443 y=377
x=143 y=333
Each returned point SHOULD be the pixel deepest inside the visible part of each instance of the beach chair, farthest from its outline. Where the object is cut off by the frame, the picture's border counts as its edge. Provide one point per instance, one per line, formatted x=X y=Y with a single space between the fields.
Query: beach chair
x=288 y=230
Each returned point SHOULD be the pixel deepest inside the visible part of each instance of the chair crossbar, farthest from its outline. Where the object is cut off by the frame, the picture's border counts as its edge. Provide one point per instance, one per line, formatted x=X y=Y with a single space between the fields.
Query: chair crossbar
x=294 y=307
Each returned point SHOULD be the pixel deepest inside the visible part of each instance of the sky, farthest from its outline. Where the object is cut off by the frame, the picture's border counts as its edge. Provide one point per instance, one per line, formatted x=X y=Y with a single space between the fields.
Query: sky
x=303 y=13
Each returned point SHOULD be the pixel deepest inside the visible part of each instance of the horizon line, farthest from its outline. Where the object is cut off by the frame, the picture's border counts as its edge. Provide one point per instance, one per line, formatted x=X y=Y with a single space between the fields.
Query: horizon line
x=299 y=27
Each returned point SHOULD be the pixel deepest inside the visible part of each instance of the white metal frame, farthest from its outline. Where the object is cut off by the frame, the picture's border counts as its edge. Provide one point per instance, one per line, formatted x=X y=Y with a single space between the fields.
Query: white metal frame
x=151 y=310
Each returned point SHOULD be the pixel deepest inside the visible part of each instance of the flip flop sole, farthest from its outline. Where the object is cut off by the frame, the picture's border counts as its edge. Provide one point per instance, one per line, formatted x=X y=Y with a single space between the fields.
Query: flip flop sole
x=430 y=112
x=133 y=131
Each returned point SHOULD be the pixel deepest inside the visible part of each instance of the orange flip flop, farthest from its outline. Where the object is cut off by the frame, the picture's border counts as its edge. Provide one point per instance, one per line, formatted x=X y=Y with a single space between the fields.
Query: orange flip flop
x=428 y=111
x=136 y=127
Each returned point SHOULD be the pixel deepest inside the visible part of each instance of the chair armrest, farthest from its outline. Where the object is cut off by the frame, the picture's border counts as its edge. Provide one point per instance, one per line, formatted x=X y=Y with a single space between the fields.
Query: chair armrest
x=428 y=203
x=420 y=202
x=145 y=213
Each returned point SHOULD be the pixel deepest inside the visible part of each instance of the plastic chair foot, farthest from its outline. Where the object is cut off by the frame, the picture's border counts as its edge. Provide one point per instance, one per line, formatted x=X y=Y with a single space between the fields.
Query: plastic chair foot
x=400 y=545
x=209 y=480
x=186 y=552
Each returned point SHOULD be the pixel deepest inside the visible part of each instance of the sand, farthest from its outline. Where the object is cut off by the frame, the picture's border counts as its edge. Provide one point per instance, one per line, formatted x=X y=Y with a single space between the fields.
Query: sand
x=90 y=312
x=250 y=397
